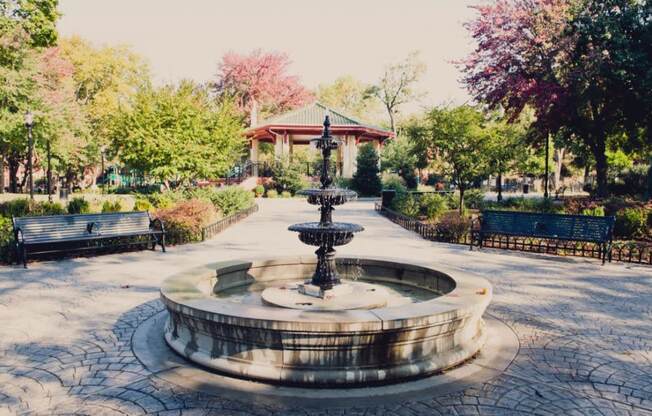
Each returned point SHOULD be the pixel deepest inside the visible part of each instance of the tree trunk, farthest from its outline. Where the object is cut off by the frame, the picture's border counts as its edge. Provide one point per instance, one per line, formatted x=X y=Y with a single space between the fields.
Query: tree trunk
x=559 y=160
x=13 y=173
x=462 y=189
x=600 y=165
x=2 y=174
x=391 y=119
x=499 y=186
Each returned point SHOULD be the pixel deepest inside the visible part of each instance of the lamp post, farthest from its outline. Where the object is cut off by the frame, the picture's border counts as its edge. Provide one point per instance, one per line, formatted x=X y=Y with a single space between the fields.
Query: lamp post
x=49 y=177
x=102 y=178
x=545 y=179
x=29 y=122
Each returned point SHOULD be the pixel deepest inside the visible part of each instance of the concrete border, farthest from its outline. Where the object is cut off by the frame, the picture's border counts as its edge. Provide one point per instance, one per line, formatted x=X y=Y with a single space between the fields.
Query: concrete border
x=149 y=346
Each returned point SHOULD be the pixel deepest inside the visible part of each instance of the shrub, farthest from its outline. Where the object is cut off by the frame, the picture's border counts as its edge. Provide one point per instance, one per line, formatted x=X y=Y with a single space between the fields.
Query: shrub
x=184 y=222
x=287 y=176
x=286 y=194
x=630 y=223
x=6 y=239
x=395 y=182
x=345 y=183
x=271 y=193
x=166 y=199
x=48 y=208
x=454 y=226
x=432 y=205
x=78 y=205
x=453 y=200
x=142 y=204
x=114 y=206
x=15 y=208
x=473 y=198
x=231 y=199
x=596 y=211
x=259 y=190
x=406 y=204
x=366 y=179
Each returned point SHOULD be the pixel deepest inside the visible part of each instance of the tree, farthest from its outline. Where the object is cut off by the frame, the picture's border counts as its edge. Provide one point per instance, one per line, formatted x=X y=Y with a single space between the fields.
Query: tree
x=349 y=95
x=259 y=82
x=179 y=134
x=459 y=138
x=397 y=85
x=106 y=80
x=399 y=157
x=506 y=146
x=26 y=27
x=570 y=61
x=366 y=179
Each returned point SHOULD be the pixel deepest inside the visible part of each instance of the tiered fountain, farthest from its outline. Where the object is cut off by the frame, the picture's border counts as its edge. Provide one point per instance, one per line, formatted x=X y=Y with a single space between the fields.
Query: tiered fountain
x=325 y=322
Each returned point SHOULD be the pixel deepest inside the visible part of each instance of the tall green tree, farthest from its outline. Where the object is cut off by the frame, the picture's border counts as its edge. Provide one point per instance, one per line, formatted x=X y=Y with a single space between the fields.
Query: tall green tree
x=399 y=156
x=460 y=140
x=179 y=134
x=350 y=96
x=366 y=179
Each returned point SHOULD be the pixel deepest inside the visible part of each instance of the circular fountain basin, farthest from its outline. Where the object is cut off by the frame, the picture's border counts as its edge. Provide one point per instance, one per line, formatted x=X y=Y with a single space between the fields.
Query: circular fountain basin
x=430 y=321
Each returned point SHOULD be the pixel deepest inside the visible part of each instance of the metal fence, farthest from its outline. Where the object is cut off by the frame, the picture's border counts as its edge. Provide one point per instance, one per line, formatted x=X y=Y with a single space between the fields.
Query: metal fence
x=215 y=228
x=625 y=251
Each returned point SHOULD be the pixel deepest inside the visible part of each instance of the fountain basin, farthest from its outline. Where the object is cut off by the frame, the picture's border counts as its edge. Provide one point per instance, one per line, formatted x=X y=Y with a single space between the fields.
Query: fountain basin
x=325 y=348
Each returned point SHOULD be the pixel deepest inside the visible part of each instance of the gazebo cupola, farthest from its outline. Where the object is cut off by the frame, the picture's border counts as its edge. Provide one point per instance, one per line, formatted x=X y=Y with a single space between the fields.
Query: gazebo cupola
x=297 y=127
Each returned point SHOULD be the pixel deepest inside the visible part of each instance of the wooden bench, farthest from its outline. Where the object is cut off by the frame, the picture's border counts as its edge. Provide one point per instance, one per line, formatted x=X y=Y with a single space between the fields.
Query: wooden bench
x=580 y=228
x=75 y=232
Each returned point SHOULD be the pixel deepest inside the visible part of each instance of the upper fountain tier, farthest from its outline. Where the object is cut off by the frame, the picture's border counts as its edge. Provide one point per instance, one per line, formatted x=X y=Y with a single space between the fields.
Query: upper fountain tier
x=331 y=196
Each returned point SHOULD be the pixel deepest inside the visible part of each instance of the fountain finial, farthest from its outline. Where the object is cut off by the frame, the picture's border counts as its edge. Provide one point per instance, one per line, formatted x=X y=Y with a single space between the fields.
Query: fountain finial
x=327 y=126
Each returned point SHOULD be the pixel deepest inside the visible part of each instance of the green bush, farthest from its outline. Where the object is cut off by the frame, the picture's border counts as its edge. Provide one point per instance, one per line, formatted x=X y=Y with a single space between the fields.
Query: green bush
x=143 y=204
x=50 y=208
x=6 y=239
x=394 y=182
x=259 y=190
x=366 y=179
x=597 y=211
x=109 y=206
x=473 y=198
x=231 y=199
x=78 y=205
x=165 y=199
x=271 y=193
x=630 y=223
x=184 y=222
x=432 y=205
x=15 y=208
x=345 y=183
x=288 y=176
x=286 y=194
x=453 y=200
x=406 y=204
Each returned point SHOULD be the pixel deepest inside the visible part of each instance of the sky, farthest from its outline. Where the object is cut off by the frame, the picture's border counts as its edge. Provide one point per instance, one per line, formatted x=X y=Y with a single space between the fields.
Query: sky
x=186 y=39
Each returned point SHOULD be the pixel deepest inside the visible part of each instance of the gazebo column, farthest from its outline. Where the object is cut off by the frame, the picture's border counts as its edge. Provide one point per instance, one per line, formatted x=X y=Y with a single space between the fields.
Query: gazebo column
x=349 y=154
x=253 y=156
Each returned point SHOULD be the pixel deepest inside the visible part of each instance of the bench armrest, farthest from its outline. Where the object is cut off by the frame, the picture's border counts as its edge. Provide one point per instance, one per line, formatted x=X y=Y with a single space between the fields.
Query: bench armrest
x=18 y=235
x=157 y=222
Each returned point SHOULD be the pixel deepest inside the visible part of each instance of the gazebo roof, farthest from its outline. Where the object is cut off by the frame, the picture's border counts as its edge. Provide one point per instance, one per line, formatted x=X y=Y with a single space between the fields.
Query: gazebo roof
x=310 y=119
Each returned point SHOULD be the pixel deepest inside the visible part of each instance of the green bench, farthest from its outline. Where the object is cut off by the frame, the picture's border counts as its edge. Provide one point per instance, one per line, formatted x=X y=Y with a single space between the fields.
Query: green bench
x=76 y=232
x=579 y=228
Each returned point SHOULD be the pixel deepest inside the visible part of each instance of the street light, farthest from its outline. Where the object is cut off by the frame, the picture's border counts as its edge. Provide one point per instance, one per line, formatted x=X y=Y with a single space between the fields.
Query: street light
x=29 y=122
x=547 y=168
x=47 y=145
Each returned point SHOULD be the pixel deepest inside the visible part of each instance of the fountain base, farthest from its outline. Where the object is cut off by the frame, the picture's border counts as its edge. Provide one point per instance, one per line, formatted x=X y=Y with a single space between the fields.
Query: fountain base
x=345 y=296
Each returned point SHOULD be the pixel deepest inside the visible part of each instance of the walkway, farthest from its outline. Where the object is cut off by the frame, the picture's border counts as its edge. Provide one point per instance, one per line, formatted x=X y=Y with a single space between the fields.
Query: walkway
x=585 y=330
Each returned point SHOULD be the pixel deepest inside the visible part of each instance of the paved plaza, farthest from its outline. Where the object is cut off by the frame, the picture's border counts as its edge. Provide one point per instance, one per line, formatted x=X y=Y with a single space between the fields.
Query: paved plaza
x=585 y=330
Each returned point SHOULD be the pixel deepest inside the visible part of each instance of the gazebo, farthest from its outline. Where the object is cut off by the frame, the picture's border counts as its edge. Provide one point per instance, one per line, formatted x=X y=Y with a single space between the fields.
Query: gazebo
x=299 y=126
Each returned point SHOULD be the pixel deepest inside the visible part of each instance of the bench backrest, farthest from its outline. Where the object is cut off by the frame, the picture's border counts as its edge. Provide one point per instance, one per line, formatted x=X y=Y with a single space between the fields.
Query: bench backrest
x=58 y=227
x=559 y=226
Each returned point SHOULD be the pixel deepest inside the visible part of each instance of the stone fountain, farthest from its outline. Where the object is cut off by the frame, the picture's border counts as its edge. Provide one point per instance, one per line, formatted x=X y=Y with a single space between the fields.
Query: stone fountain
x=325 y=322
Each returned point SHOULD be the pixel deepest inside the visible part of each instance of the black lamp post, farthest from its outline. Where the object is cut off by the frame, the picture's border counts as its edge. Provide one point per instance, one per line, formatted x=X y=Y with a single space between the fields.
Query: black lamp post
x=47 y=146
x=29 y=122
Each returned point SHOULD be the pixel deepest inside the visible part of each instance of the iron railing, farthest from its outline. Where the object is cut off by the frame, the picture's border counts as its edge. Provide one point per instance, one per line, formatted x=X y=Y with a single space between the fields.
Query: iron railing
x=624 y=251
x=215 y=228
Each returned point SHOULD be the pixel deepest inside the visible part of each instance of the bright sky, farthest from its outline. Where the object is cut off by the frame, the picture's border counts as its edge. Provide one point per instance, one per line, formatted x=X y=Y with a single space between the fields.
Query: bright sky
x=185 y=39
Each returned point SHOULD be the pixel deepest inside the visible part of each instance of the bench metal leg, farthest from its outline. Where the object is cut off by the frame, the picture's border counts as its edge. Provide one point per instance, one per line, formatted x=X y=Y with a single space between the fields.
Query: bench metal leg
x=163 y=242
x=24 y=256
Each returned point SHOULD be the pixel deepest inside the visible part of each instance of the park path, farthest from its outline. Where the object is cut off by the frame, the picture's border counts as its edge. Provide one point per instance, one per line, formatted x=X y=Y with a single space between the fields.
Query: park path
x=585 y=329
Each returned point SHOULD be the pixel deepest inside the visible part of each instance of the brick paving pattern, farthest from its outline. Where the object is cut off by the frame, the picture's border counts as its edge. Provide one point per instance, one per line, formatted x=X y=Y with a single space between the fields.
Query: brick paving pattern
x=585 y=330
